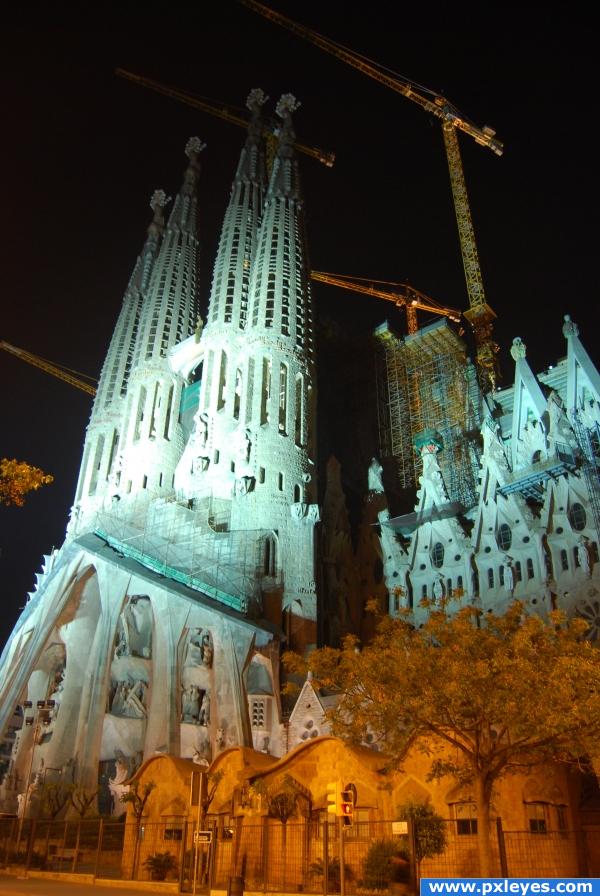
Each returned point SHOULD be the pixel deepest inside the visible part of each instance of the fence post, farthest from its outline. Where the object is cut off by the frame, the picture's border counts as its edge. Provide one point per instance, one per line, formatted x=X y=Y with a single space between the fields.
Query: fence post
x=325 y=856
x=501 y=848
x=32 y=824
x=98 y=847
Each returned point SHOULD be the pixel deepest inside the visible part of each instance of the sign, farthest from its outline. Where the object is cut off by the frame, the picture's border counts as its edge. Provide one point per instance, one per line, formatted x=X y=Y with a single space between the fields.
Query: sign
x=399 y=828
x=202 y=837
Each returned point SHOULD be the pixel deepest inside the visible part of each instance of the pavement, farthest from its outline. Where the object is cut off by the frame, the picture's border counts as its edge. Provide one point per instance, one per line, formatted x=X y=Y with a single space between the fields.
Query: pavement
x=11 y=885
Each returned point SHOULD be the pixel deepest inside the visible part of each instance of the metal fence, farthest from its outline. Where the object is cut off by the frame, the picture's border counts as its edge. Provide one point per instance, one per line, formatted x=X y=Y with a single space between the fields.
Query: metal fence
x=299 y=857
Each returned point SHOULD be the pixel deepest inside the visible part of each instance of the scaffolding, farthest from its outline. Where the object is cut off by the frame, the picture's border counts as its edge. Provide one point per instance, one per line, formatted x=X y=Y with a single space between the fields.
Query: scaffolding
x=188 y=542
x=425 y=382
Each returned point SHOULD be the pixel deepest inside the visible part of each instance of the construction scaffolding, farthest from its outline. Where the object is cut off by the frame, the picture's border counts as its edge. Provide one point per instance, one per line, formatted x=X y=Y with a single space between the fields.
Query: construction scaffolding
x=425 y=382
x=188 y=542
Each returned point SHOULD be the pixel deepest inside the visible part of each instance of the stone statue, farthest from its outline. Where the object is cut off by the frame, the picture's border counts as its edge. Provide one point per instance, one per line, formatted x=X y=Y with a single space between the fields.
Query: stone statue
x=207 y=650
x=194 y=650
x=116 y=785
x=200 y=429
x=204 y=716
x=583 y=556
x=509 y=577
x=190 y=705
x=438 y=588
x=375 y=481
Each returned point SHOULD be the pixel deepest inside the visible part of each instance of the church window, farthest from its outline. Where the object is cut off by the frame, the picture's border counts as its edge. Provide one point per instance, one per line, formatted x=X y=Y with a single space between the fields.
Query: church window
x=113 y=451
x=283 y=385
x=518 y=572
x=280 y=481
x=97 y=463
x=504 y=537
x=577 y=517
x=501 y=575
x=424 y=592
x=299 y=411
x=160 y=480
x=459 y=583
x=536 y=814
x=491 y=577
x=270 y=559
x=222 y=382
x=266 y=391
x=140 y=413
x=258 y=713
x=173 y=827
x=564 y=560
x=237 y=395
x=530 y=571
x=576 y=558
x=297 y=493
x=261 y=475
x=475 y=584
x=144 y=481
x=216 y=456
x=466 y=818
x=437 y=555
x=168 y=413
x=250 y=390
x=449 y=587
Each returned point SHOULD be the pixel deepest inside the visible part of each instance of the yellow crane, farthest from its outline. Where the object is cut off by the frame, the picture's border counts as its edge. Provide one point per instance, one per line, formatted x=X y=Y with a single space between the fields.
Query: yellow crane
x=479 y=315
x=403 y=295
x=63 y=373
x=221 y=111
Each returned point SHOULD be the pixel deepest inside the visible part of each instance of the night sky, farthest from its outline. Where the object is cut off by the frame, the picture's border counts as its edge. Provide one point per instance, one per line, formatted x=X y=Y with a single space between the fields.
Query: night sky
x=83 y=150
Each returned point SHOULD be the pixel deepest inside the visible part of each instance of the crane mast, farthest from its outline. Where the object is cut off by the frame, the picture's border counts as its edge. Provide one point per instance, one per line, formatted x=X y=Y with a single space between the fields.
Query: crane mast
x=403 y=296
x=479 y=315
x=49 y=367
x=326 y=158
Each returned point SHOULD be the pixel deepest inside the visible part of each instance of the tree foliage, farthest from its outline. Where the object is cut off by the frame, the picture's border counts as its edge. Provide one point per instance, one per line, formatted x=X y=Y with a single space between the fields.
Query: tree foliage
x=138 y=797
x=17 y=479
x=281 y=797
x=483 y=694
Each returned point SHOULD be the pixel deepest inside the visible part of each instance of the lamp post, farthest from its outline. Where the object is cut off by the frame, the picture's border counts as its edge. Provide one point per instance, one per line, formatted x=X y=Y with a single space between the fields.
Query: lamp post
x=40 y=719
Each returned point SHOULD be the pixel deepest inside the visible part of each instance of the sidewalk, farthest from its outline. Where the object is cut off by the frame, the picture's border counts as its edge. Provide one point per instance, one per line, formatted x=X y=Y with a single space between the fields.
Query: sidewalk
x=10 y=885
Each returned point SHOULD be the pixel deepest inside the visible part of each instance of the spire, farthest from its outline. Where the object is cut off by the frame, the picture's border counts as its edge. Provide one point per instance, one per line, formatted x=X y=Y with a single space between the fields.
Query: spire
x=237 y=245
x=285 y=180
x=169 y=312
x=108 y=418
x=117 y=366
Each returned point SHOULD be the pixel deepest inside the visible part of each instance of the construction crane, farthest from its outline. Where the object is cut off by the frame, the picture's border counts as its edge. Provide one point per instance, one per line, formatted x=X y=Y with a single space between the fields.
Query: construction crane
x=479 y=315
x=403 y=296
x=221 y=111
x=63 y=373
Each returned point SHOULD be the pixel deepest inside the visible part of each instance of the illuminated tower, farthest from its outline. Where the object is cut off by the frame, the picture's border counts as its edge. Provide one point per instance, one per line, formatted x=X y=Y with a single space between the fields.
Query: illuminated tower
x=108 y=422
x=252 y=452
x=154 y=438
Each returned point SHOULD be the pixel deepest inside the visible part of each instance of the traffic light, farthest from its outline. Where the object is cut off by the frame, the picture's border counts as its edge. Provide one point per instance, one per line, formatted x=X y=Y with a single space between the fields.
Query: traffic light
x=334 y=798
x=347 y=805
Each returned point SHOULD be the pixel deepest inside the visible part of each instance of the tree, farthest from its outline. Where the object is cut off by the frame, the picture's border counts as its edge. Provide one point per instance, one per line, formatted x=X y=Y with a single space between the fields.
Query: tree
x=429 y=831
x=54 y=796
x=17 y=478
x=137 y=799
x=82 y=799
x=484 y=695
x=209 y=785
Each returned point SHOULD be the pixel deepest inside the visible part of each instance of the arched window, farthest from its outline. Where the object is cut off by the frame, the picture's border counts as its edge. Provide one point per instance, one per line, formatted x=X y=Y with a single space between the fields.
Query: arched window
x=504 y=537
x=577 y=517
x=437 y=554
x=491 y=577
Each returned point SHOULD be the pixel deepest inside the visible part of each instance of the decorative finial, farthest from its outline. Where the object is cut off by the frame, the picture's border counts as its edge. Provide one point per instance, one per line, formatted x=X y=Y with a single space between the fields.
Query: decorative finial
x=569 y=327
x=256 y=98
x=309 y=675
x=158 y=200
x=287 y=104
x=194 y=147
x=518 y=349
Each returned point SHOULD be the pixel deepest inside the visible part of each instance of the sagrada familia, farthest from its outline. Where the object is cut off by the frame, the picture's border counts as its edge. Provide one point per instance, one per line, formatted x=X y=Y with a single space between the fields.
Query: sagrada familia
x=199 y=544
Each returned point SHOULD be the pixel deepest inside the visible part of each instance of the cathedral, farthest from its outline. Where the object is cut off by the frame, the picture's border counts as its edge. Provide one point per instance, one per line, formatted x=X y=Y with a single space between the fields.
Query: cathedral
x=199 y=546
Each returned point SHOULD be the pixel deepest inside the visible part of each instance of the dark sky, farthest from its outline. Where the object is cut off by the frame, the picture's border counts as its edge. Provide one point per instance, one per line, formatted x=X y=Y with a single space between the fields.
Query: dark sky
x=83 y=151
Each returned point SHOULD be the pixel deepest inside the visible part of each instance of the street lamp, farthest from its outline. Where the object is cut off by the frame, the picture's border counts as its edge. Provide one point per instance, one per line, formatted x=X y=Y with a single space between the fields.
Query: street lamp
x=41 y=718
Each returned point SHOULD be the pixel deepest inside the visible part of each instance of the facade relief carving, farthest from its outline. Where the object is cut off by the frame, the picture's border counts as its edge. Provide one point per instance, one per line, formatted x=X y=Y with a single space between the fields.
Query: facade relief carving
x=134 y=629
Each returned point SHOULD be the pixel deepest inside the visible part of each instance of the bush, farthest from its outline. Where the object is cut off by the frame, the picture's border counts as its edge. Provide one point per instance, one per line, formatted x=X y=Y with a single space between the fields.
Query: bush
x=333 y=873
x=386 y=862
x=159 y=864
